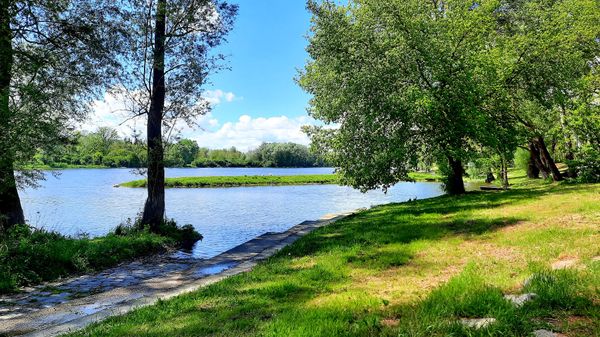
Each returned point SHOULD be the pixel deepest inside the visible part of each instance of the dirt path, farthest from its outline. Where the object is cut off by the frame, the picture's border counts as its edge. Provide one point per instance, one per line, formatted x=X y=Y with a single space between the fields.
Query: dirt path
x=57 y=308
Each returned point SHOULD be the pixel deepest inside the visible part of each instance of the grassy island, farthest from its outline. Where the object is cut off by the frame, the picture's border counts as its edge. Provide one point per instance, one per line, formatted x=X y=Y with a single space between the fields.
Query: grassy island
x=238 y=181
x=411 y=269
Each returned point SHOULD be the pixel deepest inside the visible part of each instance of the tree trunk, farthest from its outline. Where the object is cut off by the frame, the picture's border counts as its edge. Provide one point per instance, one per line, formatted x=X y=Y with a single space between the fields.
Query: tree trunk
x=534 y=164
x=154 y=209
x=504 y=172
x=11 y=212
x=547 y=159
x=454 y=182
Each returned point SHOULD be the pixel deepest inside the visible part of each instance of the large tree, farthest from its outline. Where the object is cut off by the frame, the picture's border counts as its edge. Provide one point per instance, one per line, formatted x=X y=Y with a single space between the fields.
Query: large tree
x=549 y=52
x=170 y=58
x=399 y=78
x=54 y=58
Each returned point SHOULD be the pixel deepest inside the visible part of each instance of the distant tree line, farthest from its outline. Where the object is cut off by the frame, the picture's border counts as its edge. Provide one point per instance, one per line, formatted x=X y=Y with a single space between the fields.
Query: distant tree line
x=106 y=148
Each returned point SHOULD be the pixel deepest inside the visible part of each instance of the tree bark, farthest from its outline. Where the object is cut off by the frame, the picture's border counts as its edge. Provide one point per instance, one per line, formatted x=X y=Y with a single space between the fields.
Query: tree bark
x=533 y=167
x=154 y=209
x=454 y=183
x=547 y=159
x=504 y=172
x=11 y=212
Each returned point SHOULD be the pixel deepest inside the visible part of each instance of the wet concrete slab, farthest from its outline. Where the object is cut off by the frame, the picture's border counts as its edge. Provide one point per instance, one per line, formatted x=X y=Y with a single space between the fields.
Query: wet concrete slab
x=61 y=307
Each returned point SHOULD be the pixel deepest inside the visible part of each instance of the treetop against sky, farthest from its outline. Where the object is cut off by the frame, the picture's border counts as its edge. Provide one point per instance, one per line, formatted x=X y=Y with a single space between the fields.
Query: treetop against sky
x=256 y=100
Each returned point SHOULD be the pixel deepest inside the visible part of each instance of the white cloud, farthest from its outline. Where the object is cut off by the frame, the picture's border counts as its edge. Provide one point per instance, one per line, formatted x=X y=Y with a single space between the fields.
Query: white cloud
x=248 y=133
x=111 y=112
x=216 y=97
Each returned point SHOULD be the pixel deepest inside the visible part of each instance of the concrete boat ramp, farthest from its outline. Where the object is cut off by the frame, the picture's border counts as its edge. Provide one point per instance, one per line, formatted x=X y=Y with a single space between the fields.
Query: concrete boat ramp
x=57 y=308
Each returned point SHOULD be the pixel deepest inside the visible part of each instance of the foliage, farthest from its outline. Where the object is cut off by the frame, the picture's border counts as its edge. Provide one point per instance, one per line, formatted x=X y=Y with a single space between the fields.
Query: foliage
x=588 y=167
x=104 y=148
x=70 y=48
x=401 y=81
x=183 y=236
x=522 y=159
x=284 y=155
x=193 y=29
x=416 y=77
x=410 y=269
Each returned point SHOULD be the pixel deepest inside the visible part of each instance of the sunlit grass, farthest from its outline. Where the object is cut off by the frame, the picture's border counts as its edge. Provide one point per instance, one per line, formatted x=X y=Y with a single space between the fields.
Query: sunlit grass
x=410 y=269
x=264 y=180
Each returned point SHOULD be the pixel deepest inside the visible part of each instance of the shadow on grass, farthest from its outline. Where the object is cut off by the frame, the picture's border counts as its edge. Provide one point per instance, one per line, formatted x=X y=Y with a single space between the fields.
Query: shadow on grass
x=305 y=290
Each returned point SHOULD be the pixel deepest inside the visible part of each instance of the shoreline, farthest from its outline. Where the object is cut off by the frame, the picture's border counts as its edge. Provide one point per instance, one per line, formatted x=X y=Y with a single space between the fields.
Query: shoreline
x=32 y=316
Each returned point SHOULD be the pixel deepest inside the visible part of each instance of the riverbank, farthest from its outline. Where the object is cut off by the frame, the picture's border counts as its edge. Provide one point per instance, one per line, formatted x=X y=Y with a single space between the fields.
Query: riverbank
x=415 y=269
x=31 y=256
x=264 y=180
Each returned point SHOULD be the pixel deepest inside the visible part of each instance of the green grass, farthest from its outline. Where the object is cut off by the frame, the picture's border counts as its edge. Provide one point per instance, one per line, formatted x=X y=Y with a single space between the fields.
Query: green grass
x=30 y=256
x=237 y=181
x=410 y=269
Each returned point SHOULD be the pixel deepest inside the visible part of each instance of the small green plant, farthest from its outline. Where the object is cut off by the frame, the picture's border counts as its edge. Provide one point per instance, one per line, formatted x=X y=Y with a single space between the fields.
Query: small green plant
x=184 y=236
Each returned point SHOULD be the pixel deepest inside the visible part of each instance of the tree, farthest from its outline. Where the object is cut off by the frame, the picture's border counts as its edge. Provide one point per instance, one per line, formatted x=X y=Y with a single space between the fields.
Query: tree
x=399 y=78
x=550 y=53
x=168 y=64
x=55 y=56
x=182 y=153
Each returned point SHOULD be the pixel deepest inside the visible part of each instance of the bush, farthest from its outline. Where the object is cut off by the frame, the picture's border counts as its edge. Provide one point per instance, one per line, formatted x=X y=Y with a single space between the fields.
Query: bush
x=587 y=165
x=183 y=236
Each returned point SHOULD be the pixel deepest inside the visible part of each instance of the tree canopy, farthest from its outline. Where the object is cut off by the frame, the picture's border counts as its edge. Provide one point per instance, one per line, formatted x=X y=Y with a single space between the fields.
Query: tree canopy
x=405 y=79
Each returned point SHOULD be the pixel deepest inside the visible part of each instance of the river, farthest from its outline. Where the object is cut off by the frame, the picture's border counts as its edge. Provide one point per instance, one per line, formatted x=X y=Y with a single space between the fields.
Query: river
x=79 y=201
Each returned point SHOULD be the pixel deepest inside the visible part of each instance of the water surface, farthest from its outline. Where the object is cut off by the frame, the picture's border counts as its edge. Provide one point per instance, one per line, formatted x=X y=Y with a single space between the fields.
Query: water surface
x=86 y=201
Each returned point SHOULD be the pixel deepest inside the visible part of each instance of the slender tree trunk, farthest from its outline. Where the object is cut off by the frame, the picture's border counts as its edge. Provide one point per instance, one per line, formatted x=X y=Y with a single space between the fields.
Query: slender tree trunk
x=533 y=166
x=154 y=209
x=454 y=183
x=11 y=212
x=547 y=159
x=504 y=172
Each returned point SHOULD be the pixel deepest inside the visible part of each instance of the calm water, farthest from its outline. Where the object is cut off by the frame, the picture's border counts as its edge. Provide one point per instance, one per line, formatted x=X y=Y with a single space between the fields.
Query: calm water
x=85 y=201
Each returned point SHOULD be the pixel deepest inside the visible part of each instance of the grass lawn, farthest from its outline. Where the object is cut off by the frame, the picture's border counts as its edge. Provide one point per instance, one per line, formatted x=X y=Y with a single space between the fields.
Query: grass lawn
x=410 y=269
x=236 y=181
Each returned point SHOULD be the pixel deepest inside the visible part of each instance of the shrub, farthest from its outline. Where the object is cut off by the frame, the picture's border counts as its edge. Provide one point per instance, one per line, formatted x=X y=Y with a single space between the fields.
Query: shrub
x=183 y=236
x=587 y=165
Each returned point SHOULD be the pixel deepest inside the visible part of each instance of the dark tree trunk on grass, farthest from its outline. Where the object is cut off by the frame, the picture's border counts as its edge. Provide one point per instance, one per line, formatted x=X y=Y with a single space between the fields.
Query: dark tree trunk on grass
x=547 y=159
x=154 y=209
x=533 y=167
x=11 y=212
x=454 y=183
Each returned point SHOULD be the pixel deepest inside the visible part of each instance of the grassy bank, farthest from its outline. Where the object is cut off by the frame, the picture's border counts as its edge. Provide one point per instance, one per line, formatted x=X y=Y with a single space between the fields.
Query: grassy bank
x=410 y=269
x=237 y=181
x=29 y=256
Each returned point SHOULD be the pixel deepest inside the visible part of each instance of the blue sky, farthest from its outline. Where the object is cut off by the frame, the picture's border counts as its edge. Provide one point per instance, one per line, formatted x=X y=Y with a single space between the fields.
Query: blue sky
x=266 y=48
x=257 y=100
